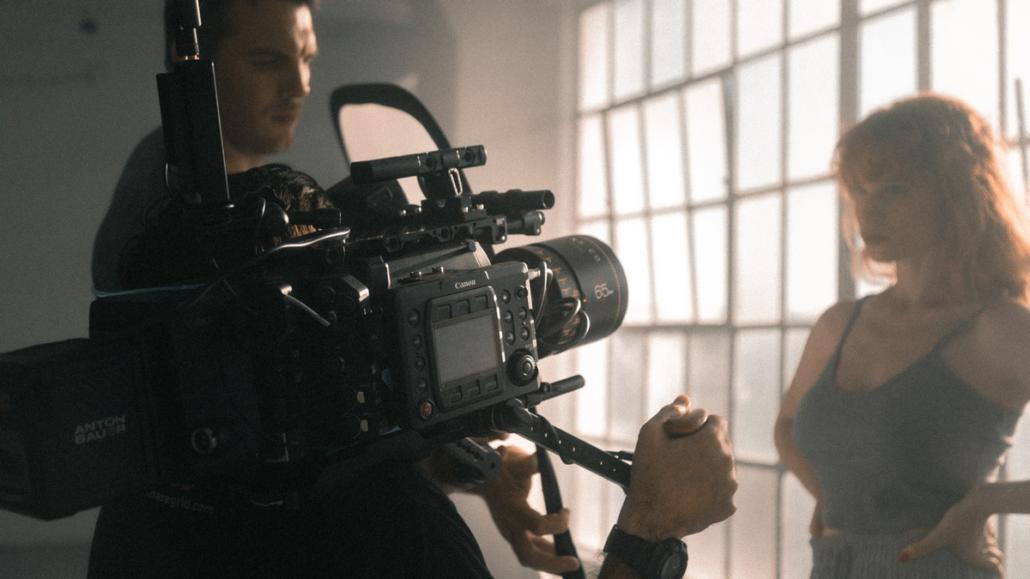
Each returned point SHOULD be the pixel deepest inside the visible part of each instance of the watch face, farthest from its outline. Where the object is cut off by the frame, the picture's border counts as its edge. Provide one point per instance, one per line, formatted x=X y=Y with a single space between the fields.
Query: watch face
x=673 y=557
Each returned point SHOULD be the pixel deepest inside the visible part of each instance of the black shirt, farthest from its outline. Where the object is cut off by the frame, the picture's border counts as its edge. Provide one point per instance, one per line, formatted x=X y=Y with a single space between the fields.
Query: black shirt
x=392 y=521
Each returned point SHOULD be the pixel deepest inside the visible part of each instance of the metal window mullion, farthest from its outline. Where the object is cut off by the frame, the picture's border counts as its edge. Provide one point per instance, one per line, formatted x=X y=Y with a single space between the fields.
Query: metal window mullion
x=730 y=99
x=1003 y=64
x=1001 y=19
x=610 y=195
x=848 y=101
x=785 y=121
x=924 y=50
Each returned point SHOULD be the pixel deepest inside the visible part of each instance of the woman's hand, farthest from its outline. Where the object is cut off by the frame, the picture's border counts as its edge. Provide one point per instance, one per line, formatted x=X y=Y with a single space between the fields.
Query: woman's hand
x=966 y=532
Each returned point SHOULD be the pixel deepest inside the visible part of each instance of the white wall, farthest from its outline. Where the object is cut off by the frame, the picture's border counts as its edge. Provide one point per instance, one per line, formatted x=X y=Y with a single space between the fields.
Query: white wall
x=72 y=106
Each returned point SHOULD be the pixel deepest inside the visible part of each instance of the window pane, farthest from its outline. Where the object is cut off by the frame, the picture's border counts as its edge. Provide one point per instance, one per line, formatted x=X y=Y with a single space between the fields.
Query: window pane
x=706 y=141
x=1017 y=43
x=869 y=287
x=593 y=56
x=965 y=53
x=593 y=191
x=797 y=506
x=710 y=48
x=1018 y=181
x=753 y=527
x=708 y=553
x=589 y=524
x=668 y=38
x=710 y=263
x=667 y=369
x=1017 y=545
x=756 y=394
x=674 y=292
x=813 y=98
x=756 y=267
x=869 y=6
x=758 y=124
x=625 y=160
x=811 y=15
x=629 y=47
x=710 y=371
x=759 y=25
x=888 y=59
x=812 y=218
x=631 y=242
x=592 y=399
x=627 y=391
x=792 y=354
x=598 y=229
x=664 y=151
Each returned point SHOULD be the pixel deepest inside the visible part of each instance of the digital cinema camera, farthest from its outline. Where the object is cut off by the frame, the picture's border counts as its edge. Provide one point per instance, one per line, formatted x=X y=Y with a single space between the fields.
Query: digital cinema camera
x=390 y=331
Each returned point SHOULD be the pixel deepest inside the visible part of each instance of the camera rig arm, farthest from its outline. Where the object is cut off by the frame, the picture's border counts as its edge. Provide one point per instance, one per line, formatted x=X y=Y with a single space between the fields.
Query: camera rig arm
x=519 y=417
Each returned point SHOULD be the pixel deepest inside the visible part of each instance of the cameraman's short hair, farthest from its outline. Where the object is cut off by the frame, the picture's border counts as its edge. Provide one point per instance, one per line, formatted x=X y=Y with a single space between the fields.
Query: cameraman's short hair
x=216 y=25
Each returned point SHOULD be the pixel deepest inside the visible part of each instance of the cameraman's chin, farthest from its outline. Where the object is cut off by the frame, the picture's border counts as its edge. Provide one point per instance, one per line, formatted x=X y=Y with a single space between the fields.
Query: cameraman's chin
x=273 y=135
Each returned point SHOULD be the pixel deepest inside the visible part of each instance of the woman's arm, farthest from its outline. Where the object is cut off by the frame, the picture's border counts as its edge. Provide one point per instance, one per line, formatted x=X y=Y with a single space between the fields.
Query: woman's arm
x=822 y=341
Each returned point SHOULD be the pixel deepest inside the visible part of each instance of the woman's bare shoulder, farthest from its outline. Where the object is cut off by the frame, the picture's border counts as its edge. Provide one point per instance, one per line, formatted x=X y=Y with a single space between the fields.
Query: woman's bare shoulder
x=822 y=342
x=1001 y=339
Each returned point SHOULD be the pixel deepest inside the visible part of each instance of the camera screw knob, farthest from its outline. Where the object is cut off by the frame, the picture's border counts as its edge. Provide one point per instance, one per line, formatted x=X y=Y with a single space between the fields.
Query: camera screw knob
x=425 y=410
x=204 y=441
x=522 y=368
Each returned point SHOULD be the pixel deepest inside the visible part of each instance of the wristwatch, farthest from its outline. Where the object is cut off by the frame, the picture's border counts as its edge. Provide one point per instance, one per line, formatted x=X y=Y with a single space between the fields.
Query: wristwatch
x=666 y=559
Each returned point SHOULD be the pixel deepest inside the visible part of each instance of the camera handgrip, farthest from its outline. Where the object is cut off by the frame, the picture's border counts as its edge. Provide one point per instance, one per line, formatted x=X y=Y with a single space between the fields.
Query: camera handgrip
x=515 y=418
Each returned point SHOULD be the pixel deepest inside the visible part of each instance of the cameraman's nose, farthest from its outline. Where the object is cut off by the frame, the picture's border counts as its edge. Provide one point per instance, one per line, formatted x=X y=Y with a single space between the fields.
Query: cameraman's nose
x=297 y=81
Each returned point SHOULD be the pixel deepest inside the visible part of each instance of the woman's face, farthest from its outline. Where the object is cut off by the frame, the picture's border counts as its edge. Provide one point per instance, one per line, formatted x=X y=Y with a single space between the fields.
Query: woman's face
x=898 y=215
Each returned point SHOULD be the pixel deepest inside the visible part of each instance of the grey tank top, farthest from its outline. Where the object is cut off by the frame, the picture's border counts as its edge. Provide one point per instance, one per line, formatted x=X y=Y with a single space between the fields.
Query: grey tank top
x=899 y=456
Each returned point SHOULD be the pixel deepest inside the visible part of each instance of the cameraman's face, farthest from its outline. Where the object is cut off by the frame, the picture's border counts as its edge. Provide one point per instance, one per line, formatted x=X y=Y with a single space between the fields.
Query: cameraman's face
x=264 y=76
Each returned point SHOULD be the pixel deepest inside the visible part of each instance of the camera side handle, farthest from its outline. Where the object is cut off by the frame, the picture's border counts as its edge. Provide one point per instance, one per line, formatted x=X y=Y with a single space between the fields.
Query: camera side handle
x=514 y=417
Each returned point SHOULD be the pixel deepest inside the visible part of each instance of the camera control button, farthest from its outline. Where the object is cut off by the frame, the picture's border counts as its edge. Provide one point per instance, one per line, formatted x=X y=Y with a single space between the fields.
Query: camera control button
x=422 y=384
x=522 y=368
x=523 y=313
x=505 y=296
x=414 y=317
x=507 y=316
x=416 y=341
x=521 y=293
x=524 y=333
x=420 y=362
x=509 y=337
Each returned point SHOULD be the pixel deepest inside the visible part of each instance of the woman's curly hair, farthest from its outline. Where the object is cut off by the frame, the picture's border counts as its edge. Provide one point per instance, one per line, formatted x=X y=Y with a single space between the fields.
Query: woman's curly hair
x=946 y=144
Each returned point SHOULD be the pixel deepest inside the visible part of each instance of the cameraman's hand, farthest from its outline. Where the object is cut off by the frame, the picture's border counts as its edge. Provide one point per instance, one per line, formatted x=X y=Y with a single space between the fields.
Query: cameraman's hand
x=521 y=525
x=683 y=476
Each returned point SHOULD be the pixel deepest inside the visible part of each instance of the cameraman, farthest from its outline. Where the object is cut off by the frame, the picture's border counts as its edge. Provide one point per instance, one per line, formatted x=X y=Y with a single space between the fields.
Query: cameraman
x=398 y=523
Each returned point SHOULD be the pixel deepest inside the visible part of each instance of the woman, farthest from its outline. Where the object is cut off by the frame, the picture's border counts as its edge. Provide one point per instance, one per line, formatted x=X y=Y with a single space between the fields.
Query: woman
x=904 y=402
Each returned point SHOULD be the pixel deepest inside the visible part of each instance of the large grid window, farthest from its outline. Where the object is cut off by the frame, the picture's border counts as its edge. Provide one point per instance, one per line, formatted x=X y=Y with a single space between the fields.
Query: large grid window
x=705 y=131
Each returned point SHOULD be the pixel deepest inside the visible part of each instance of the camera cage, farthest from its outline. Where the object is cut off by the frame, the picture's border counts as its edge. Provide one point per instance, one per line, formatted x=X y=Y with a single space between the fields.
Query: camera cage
x=155 y=417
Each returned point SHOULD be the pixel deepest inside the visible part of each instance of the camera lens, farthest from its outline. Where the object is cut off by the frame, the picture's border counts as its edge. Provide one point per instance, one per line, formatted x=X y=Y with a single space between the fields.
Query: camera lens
x=582 y=299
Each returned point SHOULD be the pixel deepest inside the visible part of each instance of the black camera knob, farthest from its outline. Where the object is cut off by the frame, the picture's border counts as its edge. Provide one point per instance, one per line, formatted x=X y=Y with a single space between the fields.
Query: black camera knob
x=522 y=368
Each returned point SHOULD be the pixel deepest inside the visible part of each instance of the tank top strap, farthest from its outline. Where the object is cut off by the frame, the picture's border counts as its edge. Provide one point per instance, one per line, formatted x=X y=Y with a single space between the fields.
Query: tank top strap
x=960 y=327
x=847 y=329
